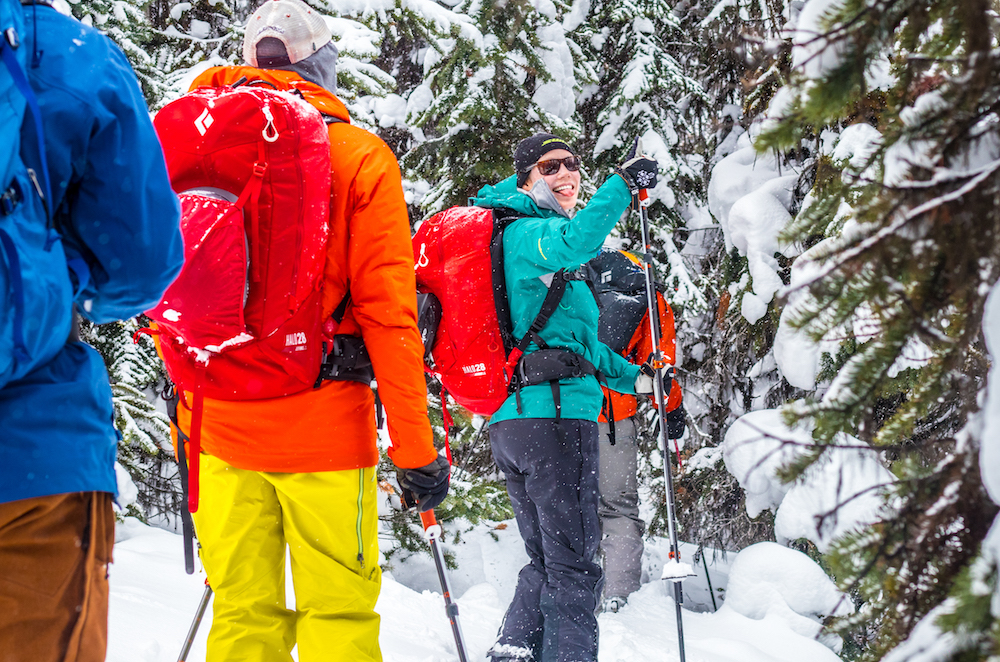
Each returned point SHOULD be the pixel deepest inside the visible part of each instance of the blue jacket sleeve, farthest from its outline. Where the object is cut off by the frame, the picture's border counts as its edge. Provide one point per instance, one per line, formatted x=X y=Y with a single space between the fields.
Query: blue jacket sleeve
x=114 y=204
x=124 y=211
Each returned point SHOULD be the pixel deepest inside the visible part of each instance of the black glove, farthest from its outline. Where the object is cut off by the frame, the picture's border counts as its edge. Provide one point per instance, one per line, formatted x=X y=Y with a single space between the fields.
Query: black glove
x=676 y=423
x=426 y=486
x=638 y=171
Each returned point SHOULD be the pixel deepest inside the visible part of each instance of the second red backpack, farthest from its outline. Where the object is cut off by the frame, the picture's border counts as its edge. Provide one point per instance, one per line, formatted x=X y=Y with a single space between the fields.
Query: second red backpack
x=252 y=169
x=459 y=259
x=454 y=262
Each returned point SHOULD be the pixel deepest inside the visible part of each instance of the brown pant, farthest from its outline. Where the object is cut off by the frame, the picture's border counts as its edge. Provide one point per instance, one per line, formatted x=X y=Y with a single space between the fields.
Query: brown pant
x=54 y=555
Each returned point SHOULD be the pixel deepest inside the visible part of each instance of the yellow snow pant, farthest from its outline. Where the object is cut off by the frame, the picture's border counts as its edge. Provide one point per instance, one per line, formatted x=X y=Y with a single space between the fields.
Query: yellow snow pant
x=329 y=522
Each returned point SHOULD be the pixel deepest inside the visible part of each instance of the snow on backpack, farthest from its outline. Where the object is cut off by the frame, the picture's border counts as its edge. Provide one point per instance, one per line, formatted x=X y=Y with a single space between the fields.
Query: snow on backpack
x=36 y=311
x=242 y=321
x=458 y=256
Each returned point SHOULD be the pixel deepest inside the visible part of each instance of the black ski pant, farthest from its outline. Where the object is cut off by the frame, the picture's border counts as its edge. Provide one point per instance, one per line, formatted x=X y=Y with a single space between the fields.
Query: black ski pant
x=551 y=472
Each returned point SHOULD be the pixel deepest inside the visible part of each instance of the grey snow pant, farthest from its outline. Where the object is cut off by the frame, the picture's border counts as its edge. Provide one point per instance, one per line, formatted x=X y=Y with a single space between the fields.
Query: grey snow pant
x=621 y=528
x=551 y=472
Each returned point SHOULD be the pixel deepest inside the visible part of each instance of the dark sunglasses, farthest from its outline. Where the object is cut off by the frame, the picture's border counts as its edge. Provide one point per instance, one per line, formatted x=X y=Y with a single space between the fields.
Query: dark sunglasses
x=551 y=166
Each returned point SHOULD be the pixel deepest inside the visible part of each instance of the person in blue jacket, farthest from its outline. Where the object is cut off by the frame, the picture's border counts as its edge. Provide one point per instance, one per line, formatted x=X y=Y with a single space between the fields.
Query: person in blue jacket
x=544 y=437
x=114 y=210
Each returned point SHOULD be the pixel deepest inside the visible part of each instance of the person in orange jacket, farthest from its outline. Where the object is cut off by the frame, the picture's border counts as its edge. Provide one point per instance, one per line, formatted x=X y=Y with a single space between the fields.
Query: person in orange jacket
x=299 y=472
x=621 y=527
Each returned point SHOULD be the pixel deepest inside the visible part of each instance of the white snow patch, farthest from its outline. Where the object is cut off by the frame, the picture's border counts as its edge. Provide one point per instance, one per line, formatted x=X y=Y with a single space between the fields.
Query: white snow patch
x=813 y=53
x=839 y=493
x=235 y=341
x=767 y=579
x=750 y=194
x=556 y=96
x=989 y=451
x=927 y=642
x=390 y=111
x=798 y=356
x=153 y=602
x=200 y=29
x=128 y=493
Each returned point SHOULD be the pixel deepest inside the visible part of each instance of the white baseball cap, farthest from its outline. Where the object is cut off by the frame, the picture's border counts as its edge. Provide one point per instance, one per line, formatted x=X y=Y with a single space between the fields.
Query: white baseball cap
x=297 y=25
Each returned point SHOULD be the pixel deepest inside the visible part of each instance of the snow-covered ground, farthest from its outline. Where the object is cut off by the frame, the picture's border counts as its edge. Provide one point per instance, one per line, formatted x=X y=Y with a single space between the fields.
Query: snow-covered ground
x=776 y=598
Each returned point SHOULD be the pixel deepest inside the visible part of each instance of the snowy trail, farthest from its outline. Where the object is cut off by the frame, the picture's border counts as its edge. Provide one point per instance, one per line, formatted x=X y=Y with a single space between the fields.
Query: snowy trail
x=153 y=602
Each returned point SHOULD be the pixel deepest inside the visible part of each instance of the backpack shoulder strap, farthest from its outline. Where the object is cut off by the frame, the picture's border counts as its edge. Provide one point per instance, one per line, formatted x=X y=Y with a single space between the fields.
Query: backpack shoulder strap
x=8 y=44
x=502 y=218
x=552 y=298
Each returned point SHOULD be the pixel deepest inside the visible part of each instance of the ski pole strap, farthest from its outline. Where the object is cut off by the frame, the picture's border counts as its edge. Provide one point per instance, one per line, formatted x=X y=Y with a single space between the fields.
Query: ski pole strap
x=379 y=411
x=612 y=433
x=187 y=526
x=447 y=421
x=194 y=462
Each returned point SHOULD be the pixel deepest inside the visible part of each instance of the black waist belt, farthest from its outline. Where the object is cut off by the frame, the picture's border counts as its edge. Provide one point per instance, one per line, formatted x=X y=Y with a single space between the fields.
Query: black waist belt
x=346 y=361
x=549 y=365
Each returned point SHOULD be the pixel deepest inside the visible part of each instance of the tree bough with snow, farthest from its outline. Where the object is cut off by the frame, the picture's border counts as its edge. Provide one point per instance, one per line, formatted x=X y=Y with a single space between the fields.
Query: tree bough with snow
x=903 y=246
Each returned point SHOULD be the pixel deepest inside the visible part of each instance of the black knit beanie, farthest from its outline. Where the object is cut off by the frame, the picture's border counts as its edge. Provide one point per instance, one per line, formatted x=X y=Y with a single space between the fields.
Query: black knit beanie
x=531 y=149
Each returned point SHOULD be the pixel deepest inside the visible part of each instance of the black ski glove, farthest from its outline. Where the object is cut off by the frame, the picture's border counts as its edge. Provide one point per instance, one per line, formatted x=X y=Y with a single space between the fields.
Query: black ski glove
x=676 y=423
x=638 y=171
x=426 y=486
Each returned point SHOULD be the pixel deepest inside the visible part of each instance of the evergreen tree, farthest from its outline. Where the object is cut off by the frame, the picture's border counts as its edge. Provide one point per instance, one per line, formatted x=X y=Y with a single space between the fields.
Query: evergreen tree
x=412 y=35
x=904 y=247
x=639 y=92
x=127 y=24
x=727 y=364
x=489 y=93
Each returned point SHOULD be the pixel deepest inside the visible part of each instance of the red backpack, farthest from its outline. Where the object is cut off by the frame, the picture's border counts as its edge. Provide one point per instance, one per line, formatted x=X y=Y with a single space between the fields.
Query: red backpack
x=459 y=260
x=468 y=353
x=242 y=320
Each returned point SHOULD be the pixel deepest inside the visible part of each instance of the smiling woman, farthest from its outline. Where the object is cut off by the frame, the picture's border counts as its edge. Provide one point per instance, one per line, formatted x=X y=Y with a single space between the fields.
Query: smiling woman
x=561 y=171
x=544 y=437
x=546 y=157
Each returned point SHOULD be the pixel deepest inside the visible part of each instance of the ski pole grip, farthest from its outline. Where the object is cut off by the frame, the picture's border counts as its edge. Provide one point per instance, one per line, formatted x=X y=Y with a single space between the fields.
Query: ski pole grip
x=643 y=195
x=431 y=527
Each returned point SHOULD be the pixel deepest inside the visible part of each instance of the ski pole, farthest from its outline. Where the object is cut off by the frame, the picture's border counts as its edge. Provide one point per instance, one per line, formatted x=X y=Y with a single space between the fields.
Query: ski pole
x=432 y=531
x=660 y=398
x=202 y=606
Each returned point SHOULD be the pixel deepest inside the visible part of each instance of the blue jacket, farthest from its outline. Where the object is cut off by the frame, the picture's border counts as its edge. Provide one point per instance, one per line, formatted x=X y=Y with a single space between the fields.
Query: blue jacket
x=539 y=244
x=116 y=210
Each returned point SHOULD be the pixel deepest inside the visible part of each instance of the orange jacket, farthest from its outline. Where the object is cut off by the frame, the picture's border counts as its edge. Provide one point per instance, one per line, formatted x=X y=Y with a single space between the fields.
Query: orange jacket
x=637 y=351
x=333 y=427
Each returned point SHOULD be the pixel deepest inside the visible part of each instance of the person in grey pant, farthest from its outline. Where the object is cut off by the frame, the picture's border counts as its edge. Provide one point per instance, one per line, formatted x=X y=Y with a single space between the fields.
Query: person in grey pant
x=621 y=527
x=618 y=508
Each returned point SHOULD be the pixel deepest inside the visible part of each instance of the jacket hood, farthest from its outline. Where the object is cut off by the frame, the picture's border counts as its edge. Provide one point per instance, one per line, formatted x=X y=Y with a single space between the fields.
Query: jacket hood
x=319 y=68
x=539 y=203
x=322 y=99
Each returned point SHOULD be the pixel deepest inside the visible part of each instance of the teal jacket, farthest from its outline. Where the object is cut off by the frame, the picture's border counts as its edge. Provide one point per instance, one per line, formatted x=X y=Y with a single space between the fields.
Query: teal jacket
x=542 y=243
